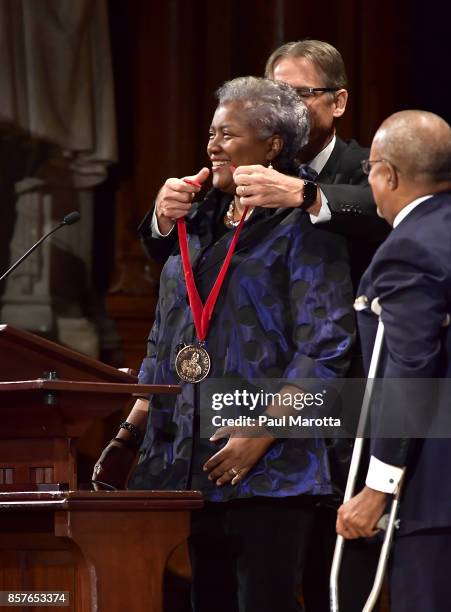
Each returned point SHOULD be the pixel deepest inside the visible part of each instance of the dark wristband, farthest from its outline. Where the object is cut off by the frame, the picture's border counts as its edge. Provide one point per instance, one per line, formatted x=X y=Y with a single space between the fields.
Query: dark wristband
x=133 y=430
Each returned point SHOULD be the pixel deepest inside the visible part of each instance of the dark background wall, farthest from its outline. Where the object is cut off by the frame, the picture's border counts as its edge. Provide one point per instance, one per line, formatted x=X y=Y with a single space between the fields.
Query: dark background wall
x=169 y=57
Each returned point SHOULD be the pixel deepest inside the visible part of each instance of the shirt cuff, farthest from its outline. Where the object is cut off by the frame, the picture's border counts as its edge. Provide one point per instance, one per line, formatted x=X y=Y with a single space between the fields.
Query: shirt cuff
x=324 y=214
x=155 y=229
x=383 y=476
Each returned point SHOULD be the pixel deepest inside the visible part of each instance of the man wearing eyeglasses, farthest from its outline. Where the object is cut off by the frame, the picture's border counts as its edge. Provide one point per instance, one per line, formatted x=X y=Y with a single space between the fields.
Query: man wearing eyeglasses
x=337 y=195
x=410 y=277
x=332 y=186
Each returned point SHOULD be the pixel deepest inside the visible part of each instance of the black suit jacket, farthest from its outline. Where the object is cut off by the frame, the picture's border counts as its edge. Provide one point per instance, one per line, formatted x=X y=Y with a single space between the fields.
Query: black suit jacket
x=352 y=206
x=344 y=183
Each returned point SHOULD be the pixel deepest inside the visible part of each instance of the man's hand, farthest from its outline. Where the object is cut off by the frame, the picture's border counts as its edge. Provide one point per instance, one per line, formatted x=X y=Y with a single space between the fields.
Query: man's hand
x=358 y=517
x=175 y=198
x=267 y=188
x=237 y=457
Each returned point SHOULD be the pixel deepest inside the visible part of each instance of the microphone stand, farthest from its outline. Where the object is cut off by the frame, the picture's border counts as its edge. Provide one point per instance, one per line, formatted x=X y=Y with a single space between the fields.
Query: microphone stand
x=72 y=217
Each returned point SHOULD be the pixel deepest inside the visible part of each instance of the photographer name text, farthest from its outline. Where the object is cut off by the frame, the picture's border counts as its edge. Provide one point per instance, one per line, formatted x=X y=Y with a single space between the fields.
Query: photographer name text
x=281 y=421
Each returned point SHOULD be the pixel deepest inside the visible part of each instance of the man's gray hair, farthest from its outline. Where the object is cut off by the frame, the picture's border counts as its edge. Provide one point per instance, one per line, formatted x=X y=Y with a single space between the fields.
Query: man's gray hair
x=326 y=58
x=271 y=108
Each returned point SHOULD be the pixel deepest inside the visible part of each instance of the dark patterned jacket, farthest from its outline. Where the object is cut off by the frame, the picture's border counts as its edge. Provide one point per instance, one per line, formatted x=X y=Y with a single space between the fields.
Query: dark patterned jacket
x=285 y=310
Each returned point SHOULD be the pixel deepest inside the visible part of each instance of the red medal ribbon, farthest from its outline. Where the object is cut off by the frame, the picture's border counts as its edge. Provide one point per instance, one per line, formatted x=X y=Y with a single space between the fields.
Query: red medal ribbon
x=202 y=314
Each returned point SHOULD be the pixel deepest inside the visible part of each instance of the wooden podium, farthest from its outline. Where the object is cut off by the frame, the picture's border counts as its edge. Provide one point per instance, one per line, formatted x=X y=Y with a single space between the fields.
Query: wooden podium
x=107 y=549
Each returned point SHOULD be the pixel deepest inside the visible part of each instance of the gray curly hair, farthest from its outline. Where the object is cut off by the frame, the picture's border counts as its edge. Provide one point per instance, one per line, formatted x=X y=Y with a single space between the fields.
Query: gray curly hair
x=271 y=108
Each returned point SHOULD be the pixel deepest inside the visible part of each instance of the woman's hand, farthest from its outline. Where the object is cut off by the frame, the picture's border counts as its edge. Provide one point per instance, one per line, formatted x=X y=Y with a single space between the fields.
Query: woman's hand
x=238 y=456
x=175 y=197
x=114 y=465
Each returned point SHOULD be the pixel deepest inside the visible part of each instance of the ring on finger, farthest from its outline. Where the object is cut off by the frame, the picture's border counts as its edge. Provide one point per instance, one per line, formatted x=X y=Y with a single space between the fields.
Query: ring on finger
x=234 y=472
x=243 y=190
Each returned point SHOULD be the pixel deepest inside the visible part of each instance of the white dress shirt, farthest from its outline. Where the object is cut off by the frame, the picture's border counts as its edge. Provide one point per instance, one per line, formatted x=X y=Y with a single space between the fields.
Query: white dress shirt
x=408 y=209
x=318 y=163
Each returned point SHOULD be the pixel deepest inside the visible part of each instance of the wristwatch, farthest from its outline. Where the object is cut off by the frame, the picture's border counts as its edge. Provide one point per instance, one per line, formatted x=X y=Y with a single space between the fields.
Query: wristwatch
x=310 y=192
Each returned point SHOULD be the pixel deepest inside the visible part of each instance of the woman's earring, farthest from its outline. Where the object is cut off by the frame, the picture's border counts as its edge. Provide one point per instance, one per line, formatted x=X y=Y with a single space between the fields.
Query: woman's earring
x=270 y=166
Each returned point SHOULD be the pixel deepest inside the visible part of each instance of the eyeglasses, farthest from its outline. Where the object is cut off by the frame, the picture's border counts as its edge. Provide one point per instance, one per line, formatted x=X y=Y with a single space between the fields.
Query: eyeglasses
x=310 y=92
x=367 y=164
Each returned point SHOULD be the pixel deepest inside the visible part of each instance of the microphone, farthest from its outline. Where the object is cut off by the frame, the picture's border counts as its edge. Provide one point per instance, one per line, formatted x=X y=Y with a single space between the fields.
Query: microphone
x=69 y=219
x=72 y=217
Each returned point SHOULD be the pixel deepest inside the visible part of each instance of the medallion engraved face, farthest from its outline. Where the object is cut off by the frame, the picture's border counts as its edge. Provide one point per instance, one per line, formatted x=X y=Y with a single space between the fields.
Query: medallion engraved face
x=192 y=363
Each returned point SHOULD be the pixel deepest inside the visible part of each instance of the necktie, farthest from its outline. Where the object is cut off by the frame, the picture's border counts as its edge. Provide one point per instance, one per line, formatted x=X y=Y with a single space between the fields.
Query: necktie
x=307 y=173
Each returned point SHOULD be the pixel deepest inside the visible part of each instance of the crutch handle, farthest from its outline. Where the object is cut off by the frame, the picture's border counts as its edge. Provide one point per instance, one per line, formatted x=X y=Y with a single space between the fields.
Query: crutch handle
x=383 y=522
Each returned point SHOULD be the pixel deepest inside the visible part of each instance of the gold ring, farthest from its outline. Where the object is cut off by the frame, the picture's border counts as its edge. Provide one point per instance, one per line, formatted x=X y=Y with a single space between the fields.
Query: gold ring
x=234 y=472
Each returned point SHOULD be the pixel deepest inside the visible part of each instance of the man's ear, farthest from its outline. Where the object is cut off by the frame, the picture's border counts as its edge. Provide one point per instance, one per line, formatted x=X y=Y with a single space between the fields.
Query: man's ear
x=392 y=178
x=341 y=99
x=275 y=147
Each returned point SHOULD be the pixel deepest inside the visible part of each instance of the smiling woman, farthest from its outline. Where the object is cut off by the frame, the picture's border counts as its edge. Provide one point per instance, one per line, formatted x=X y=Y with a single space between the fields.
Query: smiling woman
x=257 y=122
x=233 y=142
x=247 y=543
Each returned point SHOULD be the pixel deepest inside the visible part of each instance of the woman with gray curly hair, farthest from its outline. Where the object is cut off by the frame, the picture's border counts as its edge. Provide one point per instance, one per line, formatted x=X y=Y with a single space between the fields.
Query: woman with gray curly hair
x=283 y=311
x=271 y=108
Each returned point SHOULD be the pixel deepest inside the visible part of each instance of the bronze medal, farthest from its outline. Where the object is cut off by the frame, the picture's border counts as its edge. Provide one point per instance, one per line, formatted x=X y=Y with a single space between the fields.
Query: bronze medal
x=192 y=363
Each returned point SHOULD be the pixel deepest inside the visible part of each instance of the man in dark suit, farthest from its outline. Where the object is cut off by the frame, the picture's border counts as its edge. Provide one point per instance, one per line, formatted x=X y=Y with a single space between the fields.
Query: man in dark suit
x=410 y=281
x=343 y=203
x=343 y=199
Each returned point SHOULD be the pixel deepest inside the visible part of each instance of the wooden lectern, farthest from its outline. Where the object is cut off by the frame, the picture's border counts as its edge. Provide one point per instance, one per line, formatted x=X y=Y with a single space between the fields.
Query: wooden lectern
x=108 y=549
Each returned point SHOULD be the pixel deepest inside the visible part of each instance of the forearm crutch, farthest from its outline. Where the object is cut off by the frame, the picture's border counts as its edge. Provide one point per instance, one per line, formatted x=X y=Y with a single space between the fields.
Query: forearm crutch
x=390 y=522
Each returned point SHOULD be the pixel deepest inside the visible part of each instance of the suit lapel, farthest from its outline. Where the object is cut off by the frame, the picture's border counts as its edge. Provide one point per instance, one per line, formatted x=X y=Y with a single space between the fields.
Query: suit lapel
x=329 y=174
